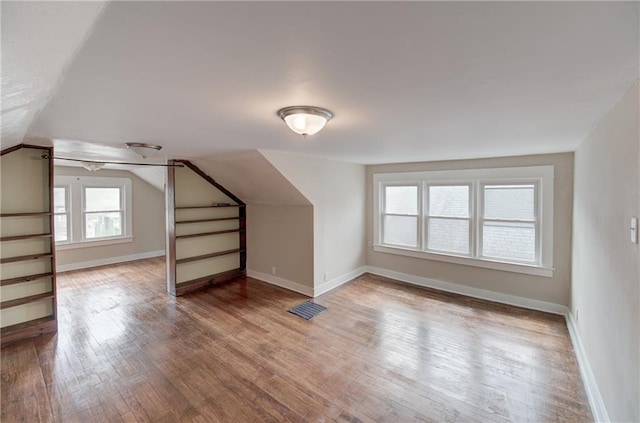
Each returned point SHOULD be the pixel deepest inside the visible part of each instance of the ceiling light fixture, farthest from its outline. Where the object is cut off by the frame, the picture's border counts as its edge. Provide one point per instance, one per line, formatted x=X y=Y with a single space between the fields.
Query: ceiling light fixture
x=142 y=149
x=93 y=166
x=305 y=120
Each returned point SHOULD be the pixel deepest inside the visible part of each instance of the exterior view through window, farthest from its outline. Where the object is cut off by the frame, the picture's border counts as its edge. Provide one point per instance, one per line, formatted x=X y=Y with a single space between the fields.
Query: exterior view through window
x=92 y=209
x=476 y=217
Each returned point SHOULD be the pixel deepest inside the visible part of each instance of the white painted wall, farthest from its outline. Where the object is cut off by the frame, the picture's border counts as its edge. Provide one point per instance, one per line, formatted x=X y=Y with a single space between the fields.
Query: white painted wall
x=605 y=298
x=148 y=226
x=551 y=290
x=281 y=237
x=336 y=190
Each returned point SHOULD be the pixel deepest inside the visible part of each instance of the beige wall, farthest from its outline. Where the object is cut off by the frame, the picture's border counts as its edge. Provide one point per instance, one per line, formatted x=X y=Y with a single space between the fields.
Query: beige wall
x=554 y=289
x=148 y=221
x=605 y=298
x=281 y=237
x=336 y=190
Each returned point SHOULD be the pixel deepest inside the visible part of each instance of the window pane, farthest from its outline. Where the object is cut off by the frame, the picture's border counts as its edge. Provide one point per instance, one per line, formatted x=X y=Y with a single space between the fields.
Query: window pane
x=401 y=200
x=101 y=199
x=59 y=200
x=401 y=230
x=512 y=241
x=449 y=201
x=60 y=222
x=99 y=225
x=451 y=235
x=516 y=202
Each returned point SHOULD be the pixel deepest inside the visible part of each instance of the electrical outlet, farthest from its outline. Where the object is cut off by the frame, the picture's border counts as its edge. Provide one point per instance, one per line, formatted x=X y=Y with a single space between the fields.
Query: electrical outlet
x=577 y=314
x=634 y=230
x=326 y=277
x=273 y=270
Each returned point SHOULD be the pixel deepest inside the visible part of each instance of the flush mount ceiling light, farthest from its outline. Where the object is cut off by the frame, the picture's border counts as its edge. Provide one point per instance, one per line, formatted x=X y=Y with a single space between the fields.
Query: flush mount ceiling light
x=305 y=120
x=93 y=166
x=142 y=149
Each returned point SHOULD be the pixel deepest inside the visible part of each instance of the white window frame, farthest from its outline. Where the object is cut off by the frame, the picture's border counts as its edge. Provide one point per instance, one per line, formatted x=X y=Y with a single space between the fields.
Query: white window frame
x=426 y=215
x=67 y=213
x=77 y=185
x=417 y=185
x=542 y=176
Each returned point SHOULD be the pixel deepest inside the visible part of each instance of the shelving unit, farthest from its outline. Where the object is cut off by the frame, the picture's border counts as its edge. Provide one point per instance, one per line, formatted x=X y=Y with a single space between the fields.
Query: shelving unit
x=206 y=230
x=27 y=254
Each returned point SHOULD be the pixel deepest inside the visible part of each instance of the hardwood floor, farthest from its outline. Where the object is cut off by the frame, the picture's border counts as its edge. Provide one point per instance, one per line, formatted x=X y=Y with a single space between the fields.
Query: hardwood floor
x=382 y=352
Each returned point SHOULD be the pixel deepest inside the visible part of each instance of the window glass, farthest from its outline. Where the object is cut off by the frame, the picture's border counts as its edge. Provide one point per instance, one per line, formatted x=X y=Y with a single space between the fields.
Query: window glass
x=59 y=200
x=98 y=225
x=509 y=240
x=401 y=230
x=451 y=201
x=101 y=199
x=401 y=200
x=510 y=202
x=450 y=235
x=60 y=218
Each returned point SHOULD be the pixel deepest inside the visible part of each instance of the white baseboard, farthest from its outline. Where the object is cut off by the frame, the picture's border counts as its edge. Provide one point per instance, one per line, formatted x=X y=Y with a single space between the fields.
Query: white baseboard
x=470 y=291
x=334 y=283
x=107 y=261
x=591 y=386
x=282 y=283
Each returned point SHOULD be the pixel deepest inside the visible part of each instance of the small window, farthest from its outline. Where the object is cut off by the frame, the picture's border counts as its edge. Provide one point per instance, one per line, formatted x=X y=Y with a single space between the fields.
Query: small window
x=400 y=218
x=103 y=213
x=61 y=214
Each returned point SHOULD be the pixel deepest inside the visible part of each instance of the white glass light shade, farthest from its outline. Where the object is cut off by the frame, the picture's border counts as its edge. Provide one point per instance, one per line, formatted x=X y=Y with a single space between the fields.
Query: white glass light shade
x=143 y=150
x=92 y=166
x=305 y=120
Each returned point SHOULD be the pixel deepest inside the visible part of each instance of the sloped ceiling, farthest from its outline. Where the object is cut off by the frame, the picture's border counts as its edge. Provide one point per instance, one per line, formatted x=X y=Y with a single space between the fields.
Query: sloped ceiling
x=251 y=177
x=407 y=81
x=38 y=40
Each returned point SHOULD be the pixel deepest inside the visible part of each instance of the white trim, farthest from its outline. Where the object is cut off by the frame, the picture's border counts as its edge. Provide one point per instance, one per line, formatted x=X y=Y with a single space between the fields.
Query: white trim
x=282 y=283
x=108 y=260
x=341 y=280
x=590 y=385
x=468 y=261
x=471 y=292
x=543 y=176
x=93 y=243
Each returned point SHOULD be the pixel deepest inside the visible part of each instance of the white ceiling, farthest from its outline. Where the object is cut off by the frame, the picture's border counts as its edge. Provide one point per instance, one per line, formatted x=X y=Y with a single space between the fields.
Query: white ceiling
x=38 y=41
x=407 y=81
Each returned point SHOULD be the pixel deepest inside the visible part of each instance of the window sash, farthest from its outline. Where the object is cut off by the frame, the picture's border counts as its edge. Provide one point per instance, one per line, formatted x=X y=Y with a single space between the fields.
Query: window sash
x=416 y=215
x=77 y=213
x=535 y=220
x=541 y=176
x=66 y=213
x=426 y=188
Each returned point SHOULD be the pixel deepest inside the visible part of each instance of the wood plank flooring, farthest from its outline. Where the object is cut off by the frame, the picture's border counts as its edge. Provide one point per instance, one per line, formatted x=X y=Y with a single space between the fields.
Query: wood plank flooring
x=382 y=352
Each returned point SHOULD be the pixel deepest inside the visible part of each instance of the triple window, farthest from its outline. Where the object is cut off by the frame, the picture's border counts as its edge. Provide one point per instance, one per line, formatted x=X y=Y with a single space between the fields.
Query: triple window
x=500 y=215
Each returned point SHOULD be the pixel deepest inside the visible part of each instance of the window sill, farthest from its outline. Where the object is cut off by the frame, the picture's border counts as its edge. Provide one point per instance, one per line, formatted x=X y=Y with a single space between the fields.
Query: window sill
x=93 y=243
x=467 y=261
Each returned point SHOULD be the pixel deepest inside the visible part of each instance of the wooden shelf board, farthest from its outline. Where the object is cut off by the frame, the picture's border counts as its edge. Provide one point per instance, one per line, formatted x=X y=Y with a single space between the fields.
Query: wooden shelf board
x=208 y=207
x=226 y=231
x=25 y=258
x=24 y=237
x=218 y=219
x=26 y=300
x=27 y=278
x=27 y=214
x=28 y=329
x=206 y=256
x=206 y=281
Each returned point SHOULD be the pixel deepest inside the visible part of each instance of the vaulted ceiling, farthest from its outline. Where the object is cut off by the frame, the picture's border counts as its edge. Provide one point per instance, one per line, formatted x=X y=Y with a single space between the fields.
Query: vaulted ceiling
x=407 y=81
